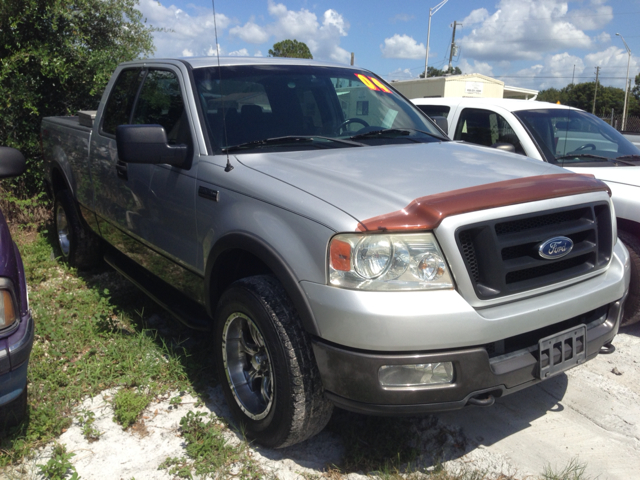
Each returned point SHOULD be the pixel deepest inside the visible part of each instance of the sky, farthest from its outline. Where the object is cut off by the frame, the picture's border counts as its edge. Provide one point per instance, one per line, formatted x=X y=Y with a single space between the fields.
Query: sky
x=525 y=43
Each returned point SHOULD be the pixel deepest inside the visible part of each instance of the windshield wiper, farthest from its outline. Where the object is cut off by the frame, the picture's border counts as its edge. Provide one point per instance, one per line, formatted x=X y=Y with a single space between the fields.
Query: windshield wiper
x=630 y=159
x=616 y=161
x=582 y=155
x=392 y=133
x=288 y=140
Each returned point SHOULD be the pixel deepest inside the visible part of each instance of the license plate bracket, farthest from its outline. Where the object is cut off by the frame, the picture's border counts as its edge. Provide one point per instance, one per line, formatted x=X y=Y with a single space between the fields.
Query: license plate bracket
x=562 y=351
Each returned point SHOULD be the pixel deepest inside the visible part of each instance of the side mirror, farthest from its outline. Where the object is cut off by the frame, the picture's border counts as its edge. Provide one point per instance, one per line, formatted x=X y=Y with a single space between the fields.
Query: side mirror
x=442 y=123
x=148 y=144
x=12 y=162
x=505 y=147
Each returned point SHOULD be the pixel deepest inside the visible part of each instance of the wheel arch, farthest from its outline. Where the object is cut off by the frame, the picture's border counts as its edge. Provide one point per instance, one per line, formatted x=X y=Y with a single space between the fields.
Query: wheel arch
x=58 y=180
x=629 y=226
x=239 y=255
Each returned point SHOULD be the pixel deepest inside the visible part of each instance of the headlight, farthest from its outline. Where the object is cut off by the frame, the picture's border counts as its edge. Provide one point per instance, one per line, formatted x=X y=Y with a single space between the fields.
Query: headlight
x=388 y=262
x=7 y=309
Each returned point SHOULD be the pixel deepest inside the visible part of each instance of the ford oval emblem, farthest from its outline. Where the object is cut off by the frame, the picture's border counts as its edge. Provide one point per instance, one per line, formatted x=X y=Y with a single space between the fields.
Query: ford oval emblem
x=556 y=247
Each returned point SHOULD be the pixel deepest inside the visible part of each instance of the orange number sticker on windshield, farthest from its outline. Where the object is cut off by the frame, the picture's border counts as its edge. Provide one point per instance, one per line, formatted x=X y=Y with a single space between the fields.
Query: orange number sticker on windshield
x=372 y=83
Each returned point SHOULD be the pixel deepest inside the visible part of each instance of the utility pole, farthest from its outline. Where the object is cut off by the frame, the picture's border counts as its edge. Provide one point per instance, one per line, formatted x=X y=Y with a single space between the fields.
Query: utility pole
x=573 y=76
x=627 y=84
x=352 y=57
x=453 y=43
x=595 y=94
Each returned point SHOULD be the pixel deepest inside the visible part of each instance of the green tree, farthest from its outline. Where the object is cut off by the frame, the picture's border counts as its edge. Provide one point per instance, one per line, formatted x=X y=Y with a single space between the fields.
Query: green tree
x=56 y=57
x=436 y=72
x=291 y=49
x=581 y=96
x=635 y=90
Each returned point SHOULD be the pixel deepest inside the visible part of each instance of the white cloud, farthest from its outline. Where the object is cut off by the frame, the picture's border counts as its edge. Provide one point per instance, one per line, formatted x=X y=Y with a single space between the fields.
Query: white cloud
x=194 y=34
x=528 y=29
x=400 y=74
x=613 y=62
x=240 y=53
x=603 y=37
x=185 y=35
x=556 y=71
x=323 y=39
x=477 y=67
x=250 y=33
x=258 y=54
x=476 y=16
x=402 y=46
x=402 y=17
x=213 y=51
x=591 y=18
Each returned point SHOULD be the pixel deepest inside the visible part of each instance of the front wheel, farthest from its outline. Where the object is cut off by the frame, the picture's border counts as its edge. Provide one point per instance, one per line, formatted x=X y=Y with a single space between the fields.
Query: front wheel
x=79 y=246
x=632 y=304
x=266 y=365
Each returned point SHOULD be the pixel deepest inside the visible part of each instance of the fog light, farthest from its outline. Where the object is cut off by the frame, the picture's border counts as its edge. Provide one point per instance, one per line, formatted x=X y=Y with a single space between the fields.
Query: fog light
x=419 y=375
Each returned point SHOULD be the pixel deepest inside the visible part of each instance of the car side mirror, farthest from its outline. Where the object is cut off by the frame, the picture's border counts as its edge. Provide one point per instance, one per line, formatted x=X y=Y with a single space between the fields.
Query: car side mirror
x=505 y=147
x=442 y=123
x=12 y=162
x=148 y=144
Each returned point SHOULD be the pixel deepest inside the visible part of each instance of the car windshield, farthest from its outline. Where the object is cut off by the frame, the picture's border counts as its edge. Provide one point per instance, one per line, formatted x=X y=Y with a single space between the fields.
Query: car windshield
x=252 y=107
x=572 y=137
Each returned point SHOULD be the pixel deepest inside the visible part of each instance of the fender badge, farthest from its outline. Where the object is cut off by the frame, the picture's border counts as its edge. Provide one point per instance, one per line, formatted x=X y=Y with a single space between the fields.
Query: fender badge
x=556 y=247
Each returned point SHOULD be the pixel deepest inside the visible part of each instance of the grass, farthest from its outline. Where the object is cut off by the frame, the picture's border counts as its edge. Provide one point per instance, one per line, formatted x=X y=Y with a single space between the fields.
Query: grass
x=93 y=333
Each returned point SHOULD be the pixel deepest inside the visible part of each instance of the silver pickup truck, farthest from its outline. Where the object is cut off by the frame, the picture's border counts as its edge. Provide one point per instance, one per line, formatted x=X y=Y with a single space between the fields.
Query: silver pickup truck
x=340 y=250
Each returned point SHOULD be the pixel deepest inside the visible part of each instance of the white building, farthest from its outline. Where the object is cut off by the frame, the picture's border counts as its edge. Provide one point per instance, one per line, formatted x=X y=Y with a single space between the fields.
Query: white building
x=466 y=85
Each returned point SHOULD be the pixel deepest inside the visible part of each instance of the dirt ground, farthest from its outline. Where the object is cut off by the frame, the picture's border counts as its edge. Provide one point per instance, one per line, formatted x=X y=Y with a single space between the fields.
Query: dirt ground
x=590 y=414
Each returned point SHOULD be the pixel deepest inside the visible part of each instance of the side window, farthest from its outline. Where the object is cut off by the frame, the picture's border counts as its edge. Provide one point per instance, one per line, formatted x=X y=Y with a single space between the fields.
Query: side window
x=160 y=102
x=435 y=110
x=474 y=126
x=485 y=127
x=117 y=111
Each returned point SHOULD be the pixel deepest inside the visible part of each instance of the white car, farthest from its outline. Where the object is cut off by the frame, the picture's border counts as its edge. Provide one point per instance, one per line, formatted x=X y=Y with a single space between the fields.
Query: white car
x=560 y=135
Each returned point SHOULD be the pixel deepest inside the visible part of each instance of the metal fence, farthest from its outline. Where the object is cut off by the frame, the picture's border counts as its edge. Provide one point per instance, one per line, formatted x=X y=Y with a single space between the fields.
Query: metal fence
x=632 y=126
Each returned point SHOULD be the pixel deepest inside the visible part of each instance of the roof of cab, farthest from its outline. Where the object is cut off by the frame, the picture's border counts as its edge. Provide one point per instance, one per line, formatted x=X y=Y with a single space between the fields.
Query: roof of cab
x=510 y=104
x=202 y=62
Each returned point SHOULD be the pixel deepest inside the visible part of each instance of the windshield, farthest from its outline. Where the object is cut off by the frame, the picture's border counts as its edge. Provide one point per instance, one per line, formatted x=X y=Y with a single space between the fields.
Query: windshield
x=316 y=104
x=570 y=137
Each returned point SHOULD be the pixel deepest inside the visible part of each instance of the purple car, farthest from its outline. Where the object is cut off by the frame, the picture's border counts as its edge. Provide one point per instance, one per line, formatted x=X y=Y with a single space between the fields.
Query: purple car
x=16 y=324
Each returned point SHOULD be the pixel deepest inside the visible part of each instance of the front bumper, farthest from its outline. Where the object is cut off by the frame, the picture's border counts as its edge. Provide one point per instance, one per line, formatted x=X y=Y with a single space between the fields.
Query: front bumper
x=350 y=377
x=14 y=358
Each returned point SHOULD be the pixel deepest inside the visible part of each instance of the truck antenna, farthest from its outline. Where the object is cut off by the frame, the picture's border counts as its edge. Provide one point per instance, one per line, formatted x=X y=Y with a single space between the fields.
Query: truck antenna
x=229 y=167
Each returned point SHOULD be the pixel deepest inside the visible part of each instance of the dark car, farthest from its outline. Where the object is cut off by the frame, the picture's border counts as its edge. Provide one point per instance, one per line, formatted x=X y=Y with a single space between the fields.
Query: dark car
x=16 y=324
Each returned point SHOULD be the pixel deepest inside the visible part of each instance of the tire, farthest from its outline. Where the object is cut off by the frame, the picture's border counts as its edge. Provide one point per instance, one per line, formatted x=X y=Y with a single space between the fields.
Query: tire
x=78 y=245
x=632 y=305
x=12 y=413
x=266 y=365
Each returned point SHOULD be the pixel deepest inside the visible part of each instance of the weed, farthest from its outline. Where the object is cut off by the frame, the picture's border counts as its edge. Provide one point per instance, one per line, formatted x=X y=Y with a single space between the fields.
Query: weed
x=127 y=406
x=26 y=212
x=177 y=400
x=86 y=418
x=374 y=444
x=208 y=452
x=58 y=466
x=575 y=470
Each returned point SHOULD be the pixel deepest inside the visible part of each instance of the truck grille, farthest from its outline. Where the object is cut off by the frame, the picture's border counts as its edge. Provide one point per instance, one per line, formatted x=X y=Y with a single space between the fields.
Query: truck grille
x=502 y=257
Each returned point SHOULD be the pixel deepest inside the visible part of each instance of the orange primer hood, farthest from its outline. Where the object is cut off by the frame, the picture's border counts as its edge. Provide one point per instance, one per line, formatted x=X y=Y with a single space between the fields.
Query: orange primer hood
x=426 y=213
